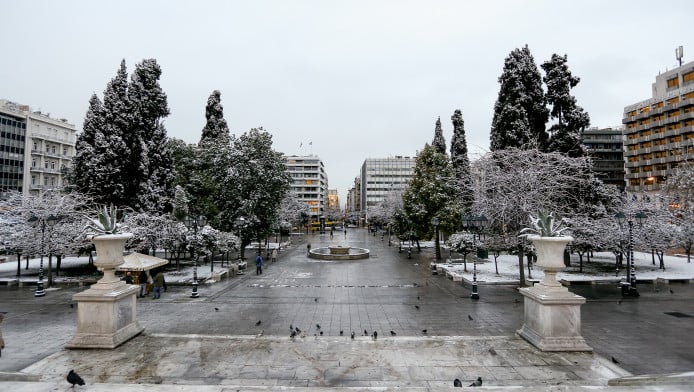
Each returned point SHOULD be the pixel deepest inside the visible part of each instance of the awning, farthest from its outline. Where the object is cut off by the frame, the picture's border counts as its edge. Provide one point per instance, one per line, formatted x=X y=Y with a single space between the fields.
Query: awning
x=139 y=262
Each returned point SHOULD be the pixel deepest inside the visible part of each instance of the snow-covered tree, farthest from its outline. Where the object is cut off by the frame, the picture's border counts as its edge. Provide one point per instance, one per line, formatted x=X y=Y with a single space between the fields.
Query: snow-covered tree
x=150 y=172
x=432 y=193
x=216 y=128
x=679 y=196
x=572 y=120
x=253 y=180
x=461 y=162
x=439 y=142
x=463 y=243
x=520 y=114
x=293 y=210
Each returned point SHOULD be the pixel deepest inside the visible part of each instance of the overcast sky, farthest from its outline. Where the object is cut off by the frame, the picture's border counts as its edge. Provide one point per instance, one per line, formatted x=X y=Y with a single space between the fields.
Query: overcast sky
x=356 y=79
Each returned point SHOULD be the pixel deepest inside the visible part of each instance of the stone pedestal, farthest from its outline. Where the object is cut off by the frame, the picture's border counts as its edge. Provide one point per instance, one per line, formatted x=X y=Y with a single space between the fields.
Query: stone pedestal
x=552 y=320
x=106 y=318
x=107 y=311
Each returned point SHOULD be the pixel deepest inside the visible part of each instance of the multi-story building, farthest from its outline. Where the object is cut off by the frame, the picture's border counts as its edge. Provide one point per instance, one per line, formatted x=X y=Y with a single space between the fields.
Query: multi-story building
x=333 y=201
x=35 y=149
x=309 y=182
x=605 y=146
x=382 y=176
x=353 y=207
x=659 y=131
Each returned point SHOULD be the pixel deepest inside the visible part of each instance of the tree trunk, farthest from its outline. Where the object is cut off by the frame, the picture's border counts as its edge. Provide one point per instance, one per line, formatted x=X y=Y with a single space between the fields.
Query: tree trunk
x=58 y=259
x=465 y=261
x=580 y=262
x=528 y=259
x=27 y=265
x=19 y=264
x=496 y=266
x=520 y=266
x=653 y=255
x=660 y=258
x=50 y=270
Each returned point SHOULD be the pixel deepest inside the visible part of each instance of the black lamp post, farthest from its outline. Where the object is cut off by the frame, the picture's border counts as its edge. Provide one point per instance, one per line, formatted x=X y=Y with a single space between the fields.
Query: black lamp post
x=435 y=223
x=194 y=223
x=475 y=225
x=43 y=222
x=240 y=224
x=630 y=287
x=409 y=243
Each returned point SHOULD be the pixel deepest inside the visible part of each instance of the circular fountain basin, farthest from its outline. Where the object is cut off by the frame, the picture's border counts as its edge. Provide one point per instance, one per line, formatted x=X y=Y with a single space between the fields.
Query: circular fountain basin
x=339 y=253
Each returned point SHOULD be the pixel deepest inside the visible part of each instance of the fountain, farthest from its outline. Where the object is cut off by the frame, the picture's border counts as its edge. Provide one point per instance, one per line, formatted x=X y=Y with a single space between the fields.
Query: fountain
x=339 y=252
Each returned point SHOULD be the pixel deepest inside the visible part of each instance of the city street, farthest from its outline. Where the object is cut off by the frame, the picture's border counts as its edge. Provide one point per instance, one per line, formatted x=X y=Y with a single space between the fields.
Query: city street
x=387 y=292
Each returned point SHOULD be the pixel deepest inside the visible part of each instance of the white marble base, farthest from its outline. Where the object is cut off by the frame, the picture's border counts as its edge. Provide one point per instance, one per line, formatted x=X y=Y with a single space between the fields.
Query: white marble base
x=552 y=319
x=106 y=316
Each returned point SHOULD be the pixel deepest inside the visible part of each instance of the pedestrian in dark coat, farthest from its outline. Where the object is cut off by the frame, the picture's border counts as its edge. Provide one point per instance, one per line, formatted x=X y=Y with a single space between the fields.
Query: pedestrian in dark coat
x=142 y=281
x=159 y=283
x=259 y=265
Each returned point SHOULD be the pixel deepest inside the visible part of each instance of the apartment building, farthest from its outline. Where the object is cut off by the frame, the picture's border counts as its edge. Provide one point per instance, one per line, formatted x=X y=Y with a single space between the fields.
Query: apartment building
x=659 y=131
x=605 y=146
x=35 y=149
x=309 y=182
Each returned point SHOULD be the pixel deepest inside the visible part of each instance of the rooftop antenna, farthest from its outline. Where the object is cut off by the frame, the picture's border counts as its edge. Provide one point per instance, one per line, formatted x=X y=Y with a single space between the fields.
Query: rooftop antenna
x=679 y=54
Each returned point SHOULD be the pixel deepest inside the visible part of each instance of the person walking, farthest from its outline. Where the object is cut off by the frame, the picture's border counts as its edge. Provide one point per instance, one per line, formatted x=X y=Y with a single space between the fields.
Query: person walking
x=274 y=255
x=308 y=249
x=159 y=283
x=128 y=278
x=259 y=264
x=142 y=281
x=2 y=341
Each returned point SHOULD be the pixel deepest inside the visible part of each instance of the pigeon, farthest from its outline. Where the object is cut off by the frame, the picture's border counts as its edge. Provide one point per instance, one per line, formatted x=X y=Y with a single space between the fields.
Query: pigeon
x=317 y=326
x=424 y=331
x=415 y=284
x=291 y=327
x=72 y=305
x=417 y=297
x=293 y=334
x=392 y=333
x=614 y=360
x=469 y=317
x=315 y=300
x=341 y=332
x=457 y=383
x=375 y=335
x=258 y=322
x=492 y=351
x=321 y=333
x=416 y=307
x=216 y=309
x=352 y=334
x=73 y=378
x=477 y=383
x=297 y=330
x=262 y=331
x=671 y=291
x=366 y=333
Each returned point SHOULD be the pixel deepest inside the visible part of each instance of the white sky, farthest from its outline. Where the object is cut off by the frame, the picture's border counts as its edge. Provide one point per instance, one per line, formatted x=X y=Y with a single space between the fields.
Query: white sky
x=357 y=79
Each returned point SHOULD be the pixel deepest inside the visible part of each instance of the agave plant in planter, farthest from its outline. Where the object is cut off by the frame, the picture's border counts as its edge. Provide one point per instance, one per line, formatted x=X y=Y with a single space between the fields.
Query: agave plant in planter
x=547 y=234
x=105 y=233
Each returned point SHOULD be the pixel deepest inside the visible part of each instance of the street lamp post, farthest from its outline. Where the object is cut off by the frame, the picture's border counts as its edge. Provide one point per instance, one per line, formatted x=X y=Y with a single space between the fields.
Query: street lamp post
x=475 y=225
x=240 y=223
x=194 y=223
x=43 y=222
x=630 y=285
x=435 y=223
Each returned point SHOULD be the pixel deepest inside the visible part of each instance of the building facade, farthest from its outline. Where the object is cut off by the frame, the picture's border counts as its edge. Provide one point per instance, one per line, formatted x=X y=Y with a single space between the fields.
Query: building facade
x=353 y=206
x=35 y=149
x=659 y=131
x=605 y=146
x=309 y=182
x=381 y=176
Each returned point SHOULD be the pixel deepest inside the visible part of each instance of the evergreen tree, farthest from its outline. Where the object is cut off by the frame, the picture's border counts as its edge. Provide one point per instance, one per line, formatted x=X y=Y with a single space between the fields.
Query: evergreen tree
x=431 y=193
x=216 y=127
x=252 y=181
x=439 y=142
x=151 y=173
x=461 y=162
x=572 y=120
x=520 y=114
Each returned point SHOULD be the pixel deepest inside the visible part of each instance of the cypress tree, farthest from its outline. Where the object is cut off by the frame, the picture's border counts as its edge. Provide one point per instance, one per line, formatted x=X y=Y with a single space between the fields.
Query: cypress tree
x=520 y=113
x=216 y=127
x=439 y=142
x=461 y=162
x=571 y=119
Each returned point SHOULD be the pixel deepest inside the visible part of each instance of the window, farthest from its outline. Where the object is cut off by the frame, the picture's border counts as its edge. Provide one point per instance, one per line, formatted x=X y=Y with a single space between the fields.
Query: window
x=64 y=150
x=36 y=146
x=672 y=83
x=52 y=164
x=658 y=105
x=673 y=101
x=53 y=149
x=45 y=165
x=688 y=77
x=644 y=109
x=689 y=95
x=33 y=180
x=33 y=163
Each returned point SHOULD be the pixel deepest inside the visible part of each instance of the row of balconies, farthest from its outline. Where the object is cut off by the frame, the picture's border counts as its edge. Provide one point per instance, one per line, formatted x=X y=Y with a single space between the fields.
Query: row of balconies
x=61 y=140
x=661 y=135
x=51 y=154
x=654 y=112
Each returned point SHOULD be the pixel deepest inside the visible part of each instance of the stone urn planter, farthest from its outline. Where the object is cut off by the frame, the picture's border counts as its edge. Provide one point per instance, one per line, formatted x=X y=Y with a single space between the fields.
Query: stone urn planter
x=107 y=311
x=552 y=319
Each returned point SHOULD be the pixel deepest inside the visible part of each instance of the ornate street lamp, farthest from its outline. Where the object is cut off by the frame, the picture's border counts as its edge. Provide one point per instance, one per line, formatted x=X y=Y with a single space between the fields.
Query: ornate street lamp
x=629 y=287
x=476 y=225
x=194 y=223
x=42 y=222
x=435 y=223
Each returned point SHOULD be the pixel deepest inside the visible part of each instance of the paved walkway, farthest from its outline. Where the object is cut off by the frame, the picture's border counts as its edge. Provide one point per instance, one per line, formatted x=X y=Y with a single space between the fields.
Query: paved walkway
x=189 y=341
